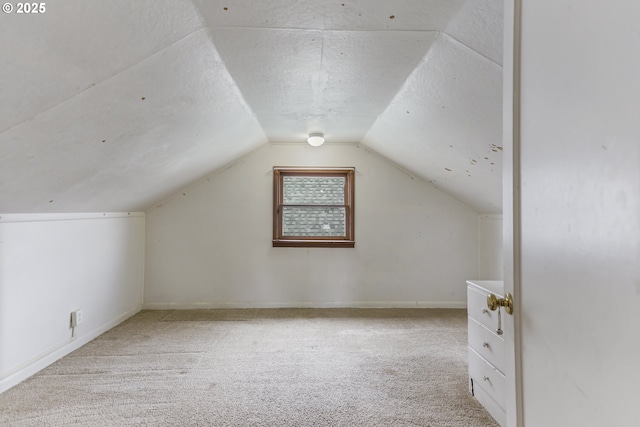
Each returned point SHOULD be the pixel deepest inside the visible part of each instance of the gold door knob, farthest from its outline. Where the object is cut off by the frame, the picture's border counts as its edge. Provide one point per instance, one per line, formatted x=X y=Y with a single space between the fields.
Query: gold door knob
x=493 y=302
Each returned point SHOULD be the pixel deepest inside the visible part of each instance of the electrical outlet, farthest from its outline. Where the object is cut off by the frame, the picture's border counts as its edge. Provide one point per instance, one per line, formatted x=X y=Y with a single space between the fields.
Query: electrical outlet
x=76 y=318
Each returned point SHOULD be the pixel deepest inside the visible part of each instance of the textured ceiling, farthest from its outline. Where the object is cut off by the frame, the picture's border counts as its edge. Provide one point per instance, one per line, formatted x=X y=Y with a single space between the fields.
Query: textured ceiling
x=113 y=105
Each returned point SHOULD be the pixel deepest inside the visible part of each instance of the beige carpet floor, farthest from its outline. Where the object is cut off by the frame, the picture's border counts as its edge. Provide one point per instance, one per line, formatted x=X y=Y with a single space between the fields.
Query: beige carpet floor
x=281 y=367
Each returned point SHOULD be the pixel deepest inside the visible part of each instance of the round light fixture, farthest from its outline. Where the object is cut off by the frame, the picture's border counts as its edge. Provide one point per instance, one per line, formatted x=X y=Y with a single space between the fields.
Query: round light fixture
x=315 y=139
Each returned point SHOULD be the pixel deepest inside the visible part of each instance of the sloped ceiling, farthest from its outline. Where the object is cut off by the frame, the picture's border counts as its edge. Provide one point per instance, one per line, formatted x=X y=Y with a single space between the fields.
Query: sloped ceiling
x=113 y=105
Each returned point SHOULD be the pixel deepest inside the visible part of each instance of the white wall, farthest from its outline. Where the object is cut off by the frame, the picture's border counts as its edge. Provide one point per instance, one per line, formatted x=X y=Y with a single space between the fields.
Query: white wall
x=490 y=259
x=210 y=246
x=580 y=221
x=53 y=264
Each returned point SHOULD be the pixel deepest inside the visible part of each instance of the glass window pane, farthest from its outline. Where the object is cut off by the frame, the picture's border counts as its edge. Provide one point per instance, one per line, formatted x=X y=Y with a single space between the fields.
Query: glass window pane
x=314 y=221
x=313 y=190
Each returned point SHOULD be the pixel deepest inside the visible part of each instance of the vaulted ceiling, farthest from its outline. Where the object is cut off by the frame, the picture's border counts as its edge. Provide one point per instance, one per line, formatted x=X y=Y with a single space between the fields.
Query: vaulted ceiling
x=113 y=105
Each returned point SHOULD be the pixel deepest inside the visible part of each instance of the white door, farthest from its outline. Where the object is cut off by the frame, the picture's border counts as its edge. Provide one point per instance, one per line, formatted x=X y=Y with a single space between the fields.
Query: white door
x=577 y=267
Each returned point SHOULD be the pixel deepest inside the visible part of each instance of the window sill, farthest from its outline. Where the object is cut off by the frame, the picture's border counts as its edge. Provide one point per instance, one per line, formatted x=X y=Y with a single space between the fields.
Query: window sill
x=313 y=243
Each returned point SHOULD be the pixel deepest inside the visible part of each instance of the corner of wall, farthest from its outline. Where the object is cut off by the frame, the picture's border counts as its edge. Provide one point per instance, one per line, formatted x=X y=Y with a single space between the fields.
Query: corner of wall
x=54 y=264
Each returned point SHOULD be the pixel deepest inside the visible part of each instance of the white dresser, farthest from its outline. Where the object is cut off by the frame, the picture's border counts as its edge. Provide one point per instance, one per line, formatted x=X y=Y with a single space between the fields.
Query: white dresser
x=486 y=348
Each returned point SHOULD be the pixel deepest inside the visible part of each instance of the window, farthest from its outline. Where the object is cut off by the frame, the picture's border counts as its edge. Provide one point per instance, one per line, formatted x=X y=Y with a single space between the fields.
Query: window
x=313 y=207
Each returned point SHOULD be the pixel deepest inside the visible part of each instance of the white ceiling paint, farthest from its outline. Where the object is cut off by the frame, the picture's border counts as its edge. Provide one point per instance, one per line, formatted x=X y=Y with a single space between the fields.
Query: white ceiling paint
x=479 y=25
x=77 y=44
x=109 y=147
x=352 y=15
x=86 y=83
x=219 y=82
x=335 y=82
x=445 y=124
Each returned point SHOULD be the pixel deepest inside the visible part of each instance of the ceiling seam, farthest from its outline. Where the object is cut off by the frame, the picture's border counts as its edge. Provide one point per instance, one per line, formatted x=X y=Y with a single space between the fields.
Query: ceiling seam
x=472 y=49
x=441 y=33
x=402 y=86
x=101 y=81
x=425 y=177
x=327 y=30
x=239 y=93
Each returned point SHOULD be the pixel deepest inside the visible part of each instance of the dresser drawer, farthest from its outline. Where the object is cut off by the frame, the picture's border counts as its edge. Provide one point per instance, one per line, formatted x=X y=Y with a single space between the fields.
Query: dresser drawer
x=490 y=405
x=487 y=344
x=487 y=377
x=478 y=310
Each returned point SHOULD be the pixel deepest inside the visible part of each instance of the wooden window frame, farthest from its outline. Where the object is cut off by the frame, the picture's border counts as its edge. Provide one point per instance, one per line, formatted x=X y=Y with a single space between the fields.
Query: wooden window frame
x=348 y=241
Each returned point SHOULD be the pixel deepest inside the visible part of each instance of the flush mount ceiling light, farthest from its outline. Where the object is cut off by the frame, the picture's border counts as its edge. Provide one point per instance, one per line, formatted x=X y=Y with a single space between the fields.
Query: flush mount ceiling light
x=315 y=139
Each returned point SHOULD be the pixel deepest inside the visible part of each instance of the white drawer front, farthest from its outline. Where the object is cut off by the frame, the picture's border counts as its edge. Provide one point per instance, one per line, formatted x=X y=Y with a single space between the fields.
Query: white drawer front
x=490 y=405
x=487 y=344
x=478 y=310
x=487 y=377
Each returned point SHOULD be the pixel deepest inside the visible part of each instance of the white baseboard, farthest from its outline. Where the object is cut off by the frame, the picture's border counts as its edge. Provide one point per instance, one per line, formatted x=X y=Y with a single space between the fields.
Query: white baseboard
x=40 y=362
x=289 y=304
x=35 y=365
